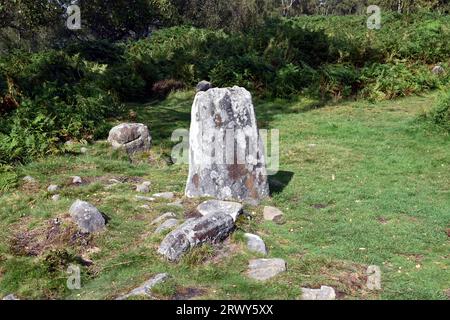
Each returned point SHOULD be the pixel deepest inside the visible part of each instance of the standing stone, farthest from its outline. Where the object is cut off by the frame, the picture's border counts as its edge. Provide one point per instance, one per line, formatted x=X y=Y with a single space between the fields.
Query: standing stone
x=226 y=155
x=86 y=216
x=264 y=269
x=324 y=293
x=255 y=243
x=133 y=137
x=211 y=228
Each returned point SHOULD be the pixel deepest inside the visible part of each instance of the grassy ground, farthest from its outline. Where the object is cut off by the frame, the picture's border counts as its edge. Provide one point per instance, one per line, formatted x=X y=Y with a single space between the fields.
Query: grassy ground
x=363 y=184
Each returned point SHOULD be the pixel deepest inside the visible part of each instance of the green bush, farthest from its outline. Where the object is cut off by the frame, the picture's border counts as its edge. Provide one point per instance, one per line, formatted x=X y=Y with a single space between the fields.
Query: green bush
x=440 y=113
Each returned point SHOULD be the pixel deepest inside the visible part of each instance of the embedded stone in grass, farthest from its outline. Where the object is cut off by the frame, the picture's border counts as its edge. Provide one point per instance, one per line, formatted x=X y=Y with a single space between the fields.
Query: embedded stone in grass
x=132 y=137
x=438 y=70
x=77 y=180
x=10 y=297
x=234 y=209
x=29 y=179
x=56 y=197
x=373 y=277
x=264 y=269
x=211 y=228
x=83 y=150
x=53 y=188
x=144 y=187
x=177 y=203
x=164 y=195
x=166 y=225
x=142 y=198
x=146 y=288
x=163 y=217
x=272 y=213
x=324 y=293
x=226 y=152
x=255 y=243
x=88 y=218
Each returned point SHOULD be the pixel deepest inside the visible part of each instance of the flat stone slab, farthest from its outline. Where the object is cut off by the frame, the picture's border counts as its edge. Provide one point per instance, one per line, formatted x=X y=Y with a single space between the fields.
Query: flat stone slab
x=272 y=213
x=211 y=228
x=324 y=293
x=167 y=225
x=264 y=269
x=255 y=243
x=86 y=216
x=53 y=188
x=164 y=195
x=146 y=288
x=234 y=209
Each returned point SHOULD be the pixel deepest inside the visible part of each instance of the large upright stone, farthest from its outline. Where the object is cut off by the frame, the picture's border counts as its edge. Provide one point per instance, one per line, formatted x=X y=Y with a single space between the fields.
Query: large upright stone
x=226 y=156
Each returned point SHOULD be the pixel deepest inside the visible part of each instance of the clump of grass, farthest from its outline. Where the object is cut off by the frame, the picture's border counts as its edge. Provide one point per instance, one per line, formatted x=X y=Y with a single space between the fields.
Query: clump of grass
x=198 y=255
x=439 y=115
x=8 y=178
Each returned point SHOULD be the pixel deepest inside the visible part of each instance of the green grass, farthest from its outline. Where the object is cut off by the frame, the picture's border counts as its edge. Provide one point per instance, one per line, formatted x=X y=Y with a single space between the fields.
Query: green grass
x=373 y=190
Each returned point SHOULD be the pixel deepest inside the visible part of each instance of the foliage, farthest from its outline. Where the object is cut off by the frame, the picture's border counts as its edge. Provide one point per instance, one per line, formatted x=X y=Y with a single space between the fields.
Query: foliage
x=439 y=115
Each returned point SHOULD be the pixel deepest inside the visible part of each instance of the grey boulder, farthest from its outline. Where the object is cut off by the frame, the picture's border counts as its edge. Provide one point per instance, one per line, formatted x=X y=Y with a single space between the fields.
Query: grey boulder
x=132 y=137
x=264 y=269
x=255 y=243
x=324 y=293
x=87 y=217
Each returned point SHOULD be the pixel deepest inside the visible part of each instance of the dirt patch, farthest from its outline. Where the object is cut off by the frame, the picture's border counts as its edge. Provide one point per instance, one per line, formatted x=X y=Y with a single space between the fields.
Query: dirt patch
x=187 y=293
x=382 y=220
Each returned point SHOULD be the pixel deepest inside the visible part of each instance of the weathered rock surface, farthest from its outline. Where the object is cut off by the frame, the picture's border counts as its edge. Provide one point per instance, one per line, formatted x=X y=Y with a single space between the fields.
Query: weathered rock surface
x=373 y=277
x=324 y=293
x=255 y=243
x=86 y=216
x=146 y=288
x=10 y=297
x=164 y=195
x=56 y=197
x=83 y=150
x=142 y=198
x=203 y=86
x=77 y=180
x=53 y=188
x=226 y=155
x=163 y=217
x=272 y=213
x=29 y=179
x=234 y=209
x=211 y=228
x=144 y=187
x=167 y=225
x=438 y=70
x=133 y=137
x=264 y=269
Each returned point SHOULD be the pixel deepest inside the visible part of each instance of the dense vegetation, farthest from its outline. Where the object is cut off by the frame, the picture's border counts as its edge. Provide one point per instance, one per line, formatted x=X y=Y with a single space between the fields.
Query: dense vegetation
x=68 y=91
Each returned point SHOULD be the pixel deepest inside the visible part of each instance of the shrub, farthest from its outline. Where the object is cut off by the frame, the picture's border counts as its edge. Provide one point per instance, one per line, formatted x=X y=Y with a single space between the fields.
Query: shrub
x=162 y=88
x=440 y=113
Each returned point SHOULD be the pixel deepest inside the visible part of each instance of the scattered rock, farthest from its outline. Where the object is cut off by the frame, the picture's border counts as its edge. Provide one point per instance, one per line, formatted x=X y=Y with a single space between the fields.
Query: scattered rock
x=86 y=216
x=56 y=197
x=77 y=180
x=438 y=70
x=163 y=217
x=53 y=188
x=324 y=293
x=312 y=145
x=177 y=203
x=10 y=297
x=142 y=198
x=264 y=269
x=144 y=187
x=133 y=137
x=83 y=150
x=203 y=86
x=255 y=243
x=373 y=277
x=234 y=209
x=29 y=179
x=146 y=288
x=272 y=213
x=166 y=225
x=226 y=152
x=145 y=206
x=164 y=195
x=211 y=228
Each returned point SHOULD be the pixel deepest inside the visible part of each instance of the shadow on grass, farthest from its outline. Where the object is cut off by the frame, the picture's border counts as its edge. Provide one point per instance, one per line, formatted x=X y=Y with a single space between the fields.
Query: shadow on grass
x=279 y=181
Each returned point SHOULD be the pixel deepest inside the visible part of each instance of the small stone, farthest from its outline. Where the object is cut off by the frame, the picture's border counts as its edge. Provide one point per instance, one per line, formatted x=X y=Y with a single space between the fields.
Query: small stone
x=166 y=225
x=29 y=179
x=234 y=209
x=324 y=293
x=10 y=297
x=132 y=137
x=255 y=243
x=142 y=198
x=77 y=180
x=272 y=213
x=264 y=269
x=203 y=86
x=373 y=277
x=83 y=150
x=52 y=188
x=145 y=289
x=438 y=70
x=143 y=187
x=163 y=217
x=145 y=206
x=114 y=181
x=56 y=197
x=177 y=203
x=164 y=195
x=88 y=218
x=312 y=145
